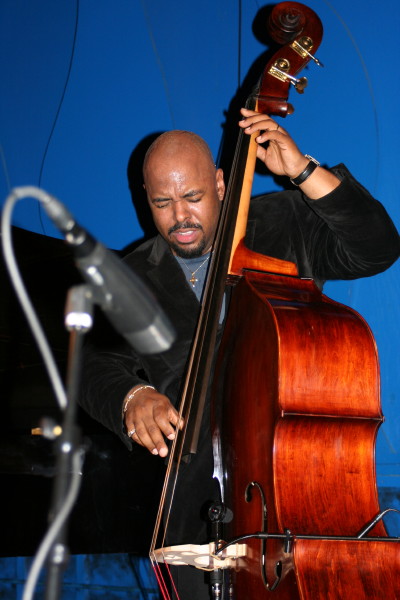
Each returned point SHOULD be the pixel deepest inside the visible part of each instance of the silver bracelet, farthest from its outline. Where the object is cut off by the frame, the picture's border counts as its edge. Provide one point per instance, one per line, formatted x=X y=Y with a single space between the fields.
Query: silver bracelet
x=132 y=394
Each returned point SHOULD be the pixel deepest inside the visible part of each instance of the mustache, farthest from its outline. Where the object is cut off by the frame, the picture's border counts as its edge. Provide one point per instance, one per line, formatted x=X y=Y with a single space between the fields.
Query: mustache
x=184 y=225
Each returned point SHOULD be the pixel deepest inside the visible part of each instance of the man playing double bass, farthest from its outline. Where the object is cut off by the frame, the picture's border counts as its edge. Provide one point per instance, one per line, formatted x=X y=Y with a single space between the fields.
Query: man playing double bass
x=327 y=224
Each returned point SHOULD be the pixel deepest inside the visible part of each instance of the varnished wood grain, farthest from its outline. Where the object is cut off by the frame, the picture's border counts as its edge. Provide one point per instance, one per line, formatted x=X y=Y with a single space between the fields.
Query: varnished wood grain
x=348 y=570
x=296 y=421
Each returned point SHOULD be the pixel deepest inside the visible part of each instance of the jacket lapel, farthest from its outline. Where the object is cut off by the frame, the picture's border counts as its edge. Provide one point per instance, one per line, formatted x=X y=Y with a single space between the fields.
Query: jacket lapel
x=170 y=282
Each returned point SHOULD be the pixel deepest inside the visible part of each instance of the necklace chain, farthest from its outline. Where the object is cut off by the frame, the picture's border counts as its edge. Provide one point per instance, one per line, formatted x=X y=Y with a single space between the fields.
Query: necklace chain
x=193 y=279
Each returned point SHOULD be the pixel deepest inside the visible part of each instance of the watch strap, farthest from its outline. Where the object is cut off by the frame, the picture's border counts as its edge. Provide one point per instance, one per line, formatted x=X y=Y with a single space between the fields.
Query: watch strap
x=310 y=168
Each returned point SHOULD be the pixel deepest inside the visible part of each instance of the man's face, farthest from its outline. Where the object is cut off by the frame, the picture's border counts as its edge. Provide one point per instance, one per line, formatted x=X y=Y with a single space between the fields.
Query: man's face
x=185 y=193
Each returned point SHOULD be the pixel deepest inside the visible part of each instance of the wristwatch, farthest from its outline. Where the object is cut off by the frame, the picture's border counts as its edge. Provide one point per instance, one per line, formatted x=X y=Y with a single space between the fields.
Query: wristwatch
x=310 y=168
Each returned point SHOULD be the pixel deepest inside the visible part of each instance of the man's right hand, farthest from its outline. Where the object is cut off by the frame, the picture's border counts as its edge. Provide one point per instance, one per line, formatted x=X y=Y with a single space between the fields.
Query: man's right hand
x=152 y=418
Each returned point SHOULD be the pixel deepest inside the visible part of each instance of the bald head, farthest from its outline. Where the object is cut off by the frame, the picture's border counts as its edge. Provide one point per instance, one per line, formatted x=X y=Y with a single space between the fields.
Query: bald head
x=175 y=144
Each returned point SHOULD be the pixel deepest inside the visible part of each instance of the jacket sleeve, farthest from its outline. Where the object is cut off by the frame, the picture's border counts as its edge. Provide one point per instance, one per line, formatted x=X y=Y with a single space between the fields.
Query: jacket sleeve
x=354 y=237
x=110 y=369
x=344 y=235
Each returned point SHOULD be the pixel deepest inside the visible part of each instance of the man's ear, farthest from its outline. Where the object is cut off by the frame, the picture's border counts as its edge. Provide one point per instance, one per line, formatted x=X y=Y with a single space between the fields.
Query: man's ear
x=219 y=178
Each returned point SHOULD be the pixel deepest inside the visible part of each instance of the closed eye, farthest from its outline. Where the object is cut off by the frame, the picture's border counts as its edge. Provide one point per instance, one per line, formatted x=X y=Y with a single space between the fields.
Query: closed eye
x=160 y=203
x=192 y=197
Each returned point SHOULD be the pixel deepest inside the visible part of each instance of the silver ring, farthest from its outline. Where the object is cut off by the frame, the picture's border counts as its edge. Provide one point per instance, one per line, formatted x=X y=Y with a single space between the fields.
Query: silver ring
x=131 y=432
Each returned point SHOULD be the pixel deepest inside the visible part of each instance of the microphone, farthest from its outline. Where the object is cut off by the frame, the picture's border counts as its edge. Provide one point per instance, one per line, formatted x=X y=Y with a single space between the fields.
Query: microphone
x=124 y=298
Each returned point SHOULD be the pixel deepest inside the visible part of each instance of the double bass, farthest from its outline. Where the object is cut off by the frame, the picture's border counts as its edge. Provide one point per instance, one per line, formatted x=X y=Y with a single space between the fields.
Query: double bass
x=296 y=406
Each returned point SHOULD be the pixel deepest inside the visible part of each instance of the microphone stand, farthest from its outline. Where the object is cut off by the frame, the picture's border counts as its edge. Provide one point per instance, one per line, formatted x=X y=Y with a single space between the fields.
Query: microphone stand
x=78 y=321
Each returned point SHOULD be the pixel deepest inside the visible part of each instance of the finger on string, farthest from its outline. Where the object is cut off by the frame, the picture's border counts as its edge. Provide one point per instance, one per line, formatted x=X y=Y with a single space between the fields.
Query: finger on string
x=177 y=420
x=166 y=423
x=271 y=135
x=246 y=112
x=261 y=120
x=263 y=126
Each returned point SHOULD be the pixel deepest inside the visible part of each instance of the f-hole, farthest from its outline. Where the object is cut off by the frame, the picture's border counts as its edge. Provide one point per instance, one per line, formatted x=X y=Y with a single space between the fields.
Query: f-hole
x=264 y=529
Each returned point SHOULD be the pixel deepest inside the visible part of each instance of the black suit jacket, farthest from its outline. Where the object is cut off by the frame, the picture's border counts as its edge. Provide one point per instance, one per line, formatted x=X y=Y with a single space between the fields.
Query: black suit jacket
x=344 y=235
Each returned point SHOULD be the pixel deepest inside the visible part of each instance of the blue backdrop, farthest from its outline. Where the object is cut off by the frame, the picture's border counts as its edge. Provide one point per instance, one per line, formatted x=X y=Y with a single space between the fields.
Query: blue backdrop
x=83 y=83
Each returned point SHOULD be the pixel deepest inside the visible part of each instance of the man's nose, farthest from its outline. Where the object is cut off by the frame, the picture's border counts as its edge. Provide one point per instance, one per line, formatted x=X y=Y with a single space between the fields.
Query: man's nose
x=181 y=210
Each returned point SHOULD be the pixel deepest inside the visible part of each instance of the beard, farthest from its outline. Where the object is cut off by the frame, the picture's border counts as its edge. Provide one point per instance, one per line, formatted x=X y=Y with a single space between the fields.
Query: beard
x=183 y=252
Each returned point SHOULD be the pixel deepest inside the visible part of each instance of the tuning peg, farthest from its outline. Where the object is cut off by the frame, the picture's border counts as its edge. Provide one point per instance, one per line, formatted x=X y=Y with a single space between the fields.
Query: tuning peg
x=280 y=70
x=303 y=47
x=299 y=84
